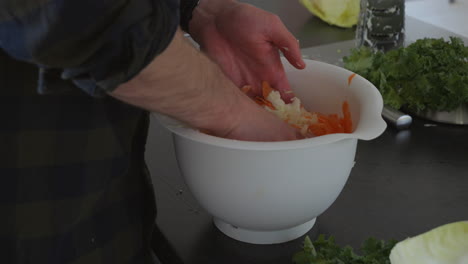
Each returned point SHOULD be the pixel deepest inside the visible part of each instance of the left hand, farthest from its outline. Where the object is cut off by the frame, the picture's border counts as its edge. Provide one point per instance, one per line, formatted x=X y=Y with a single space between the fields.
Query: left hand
x=245 y=42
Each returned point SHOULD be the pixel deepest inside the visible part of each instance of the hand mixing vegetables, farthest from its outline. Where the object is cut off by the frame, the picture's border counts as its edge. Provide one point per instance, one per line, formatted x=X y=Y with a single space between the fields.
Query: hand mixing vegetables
x=308 y=123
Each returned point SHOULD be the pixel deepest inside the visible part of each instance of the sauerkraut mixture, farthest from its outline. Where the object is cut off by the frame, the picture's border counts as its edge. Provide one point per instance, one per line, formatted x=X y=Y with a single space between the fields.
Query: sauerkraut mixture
x=309 y=124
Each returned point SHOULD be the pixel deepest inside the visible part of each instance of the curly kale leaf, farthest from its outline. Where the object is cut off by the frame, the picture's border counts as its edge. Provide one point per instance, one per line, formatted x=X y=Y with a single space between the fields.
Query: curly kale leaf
x=429 y=74
x=326 y=251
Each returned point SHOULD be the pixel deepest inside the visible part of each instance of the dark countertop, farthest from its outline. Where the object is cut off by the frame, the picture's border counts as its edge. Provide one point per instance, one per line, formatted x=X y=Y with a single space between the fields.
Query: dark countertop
x=403 y=183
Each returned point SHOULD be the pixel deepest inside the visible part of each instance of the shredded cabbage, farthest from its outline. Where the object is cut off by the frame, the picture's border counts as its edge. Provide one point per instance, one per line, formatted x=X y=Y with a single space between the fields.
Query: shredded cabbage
x=293 y=113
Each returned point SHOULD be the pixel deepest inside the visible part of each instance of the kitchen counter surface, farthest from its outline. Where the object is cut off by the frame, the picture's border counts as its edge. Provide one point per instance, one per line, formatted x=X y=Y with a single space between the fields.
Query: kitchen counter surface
x=403 y=183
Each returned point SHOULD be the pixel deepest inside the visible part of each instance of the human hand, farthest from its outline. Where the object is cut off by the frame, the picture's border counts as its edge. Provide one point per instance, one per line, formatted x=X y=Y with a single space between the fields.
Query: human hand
x=245 y=42
x=185 y=84
x=253 y=123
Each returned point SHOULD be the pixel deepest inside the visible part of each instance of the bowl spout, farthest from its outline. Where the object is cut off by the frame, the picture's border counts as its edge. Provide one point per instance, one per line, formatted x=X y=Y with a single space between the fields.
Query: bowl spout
x=328 y=86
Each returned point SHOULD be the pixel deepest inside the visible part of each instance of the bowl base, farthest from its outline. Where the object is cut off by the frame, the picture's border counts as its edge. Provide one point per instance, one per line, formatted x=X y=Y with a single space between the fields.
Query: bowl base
x=263 y=237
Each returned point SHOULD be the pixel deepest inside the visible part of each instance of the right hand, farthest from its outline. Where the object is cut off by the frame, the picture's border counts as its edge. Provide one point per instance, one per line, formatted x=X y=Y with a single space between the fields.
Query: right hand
x=185 y=84
x=245 y=42
x=256 y=124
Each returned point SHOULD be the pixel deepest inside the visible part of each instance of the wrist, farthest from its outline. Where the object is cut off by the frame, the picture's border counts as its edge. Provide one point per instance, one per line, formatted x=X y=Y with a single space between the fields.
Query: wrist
x=204 y=15
x=186 y=85
x=213 y=7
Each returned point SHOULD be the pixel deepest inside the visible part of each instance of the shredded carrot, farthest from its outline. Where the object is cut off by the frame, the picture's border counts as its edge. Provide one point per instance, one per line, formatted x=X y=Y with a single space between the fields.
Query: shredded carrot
x=263 y=101
x=347 y=121
x=350 y=78
x=323 y=124
x=335 y=123
x=322 y=119
x=295 y=126
x=266 y=89
x=317 y=129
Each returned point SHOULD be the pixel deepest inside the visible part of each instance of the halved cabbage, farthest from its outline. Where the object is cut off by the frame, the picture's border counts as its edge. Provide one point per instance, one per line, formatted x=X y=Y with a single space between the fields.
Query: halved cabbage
x=447 y=244
x=342 y=13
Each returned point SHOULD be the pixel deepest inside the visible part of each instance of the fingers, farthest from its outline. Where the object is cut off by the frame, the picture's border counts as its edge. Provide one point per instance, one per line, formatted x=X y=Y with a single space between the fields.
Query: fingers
x=283 y=39
x=282 y=85
x=278 y=80
x=257 y=124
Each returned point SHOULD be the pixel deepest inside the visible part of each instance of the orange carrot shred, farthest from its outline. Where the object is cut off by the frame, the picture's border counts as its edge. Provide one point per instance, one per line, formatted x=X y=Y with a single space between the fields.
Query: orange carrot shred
x=318 y=124
x=317 y=129
x=262 y=101
x=328 y=128
x=266 y=89
x=335 y=123
x=347 y=122
x=350 y=78
x=259 y=100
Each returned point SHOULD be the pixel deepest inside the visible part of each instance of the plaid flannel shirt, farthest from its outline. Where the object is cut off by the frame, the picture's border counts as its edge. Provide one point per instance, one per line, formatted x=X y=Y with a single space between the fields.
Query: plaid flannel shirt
x=73 y=183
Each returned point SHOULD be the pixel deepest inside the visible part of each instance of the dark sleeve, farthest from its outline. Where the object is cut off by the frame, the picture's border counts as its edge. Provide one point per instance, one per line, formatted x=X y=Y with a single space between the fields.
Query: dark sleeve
x=186 y=10
x=97 y=45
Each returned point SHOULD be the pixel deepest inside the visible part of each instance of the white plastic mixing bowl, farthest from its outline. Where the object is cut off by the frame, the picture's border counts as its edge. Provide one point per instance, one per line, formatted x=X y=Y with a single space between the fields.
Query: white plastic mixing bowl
x=272 y=192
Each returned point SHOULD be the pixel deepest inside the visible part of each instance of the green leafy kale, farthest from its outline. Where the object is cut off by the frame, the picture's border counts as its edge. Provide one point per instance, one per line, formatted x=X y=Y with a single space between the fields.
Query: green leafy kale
x=429 y=74
x=326 y=251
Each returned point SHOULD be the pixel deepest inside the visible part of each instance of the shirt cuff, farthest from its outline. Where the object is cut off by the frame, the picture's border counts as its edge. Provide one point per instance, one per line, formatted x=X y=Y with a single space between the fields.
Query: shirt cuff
x=186 y=11
x=143 y=30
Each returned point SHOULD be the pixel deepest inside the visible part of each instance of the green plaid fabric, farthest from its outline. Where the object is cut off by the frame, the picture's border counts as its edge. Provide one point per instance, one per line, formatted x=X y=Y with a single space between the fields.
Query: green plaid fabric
x=96 y=45
x=74 y=187
x=73 y=183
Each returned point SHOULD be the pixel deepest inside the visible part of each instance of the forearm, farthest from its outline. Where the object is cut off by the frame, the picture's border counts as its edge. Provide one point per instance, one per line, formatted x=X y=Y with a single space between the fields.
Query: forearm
x=183 y=83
